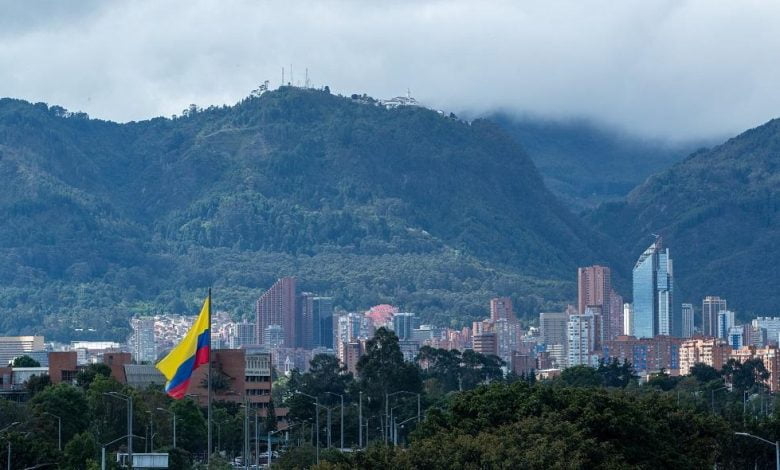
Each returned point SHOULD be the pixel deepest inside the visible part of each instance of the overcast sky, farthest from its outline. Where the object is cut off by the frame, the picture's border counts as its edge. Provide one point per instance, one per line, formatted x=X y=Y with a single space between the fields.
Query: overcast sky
x=677 y=69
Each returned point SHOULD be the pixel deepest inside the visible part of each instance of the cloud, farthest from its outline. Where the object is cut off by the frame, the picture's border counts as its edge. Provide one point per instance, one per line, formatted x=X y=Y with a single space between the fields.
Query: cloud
x=677 y=69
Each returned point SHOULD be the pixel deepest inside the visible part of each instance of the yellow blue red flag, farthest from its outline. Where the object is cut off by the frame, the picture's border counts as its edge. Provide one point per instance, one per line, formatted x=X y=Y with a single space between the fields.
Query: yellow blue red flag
x=193 y=351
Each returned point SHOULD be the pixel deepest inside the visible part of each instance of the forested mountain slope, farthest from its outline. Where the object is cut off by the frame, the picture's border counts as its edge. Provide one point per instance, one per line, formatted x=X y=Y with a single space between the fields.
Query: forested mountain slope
x=366 y=204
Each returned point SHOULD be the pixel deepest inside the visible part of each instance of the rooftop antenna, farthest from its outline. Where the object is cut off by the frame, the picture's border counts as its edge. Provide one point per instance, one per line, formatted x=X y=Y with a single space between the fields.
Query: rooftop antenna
x=307 y=78
x=408 y=93
x=282 y=76
x=292 y=80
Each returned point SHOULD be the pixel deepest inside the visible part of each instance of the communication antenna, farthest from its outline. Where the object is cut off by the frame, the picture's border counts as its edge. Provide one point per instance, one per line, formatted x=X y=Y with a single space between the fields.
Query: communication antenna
x=307 y=78
x=282 y=76
x=292 y=80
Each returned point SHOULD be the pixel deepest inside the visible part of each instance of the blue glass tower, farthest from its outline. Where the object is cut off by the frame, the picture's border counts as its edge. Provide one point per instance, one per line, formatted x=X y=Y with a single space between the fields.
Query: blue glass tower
x=654 y=312
x=644 y=280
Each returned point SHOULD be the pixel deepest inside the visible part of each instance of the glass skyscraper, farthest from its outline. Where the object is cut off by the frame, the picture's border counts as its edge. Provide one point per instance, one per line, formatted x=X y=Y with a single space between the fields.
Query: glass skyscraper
x=653 y=308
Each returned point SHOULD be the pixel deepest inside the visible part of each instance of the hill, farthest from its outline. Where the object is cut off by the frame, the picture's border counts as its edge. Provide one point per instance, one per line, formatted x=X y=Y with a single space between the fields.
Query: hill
x=366 y=204
x=719 y=213
x=584 y=163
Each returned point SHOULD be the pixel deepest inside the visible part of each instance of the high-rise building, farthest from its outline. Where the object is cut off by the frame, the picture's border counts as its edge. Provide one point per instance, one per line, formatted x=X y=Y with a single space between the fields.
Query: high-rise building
x=725 y=321
x=403 y=325
x=594 y=285
x=501 y=308
x=581 y=338
x=243 y=335
x=687 y=320
x=277 y=307
x=552 y=327
x=322 y=320
x=304 y=316
x=654 y=312
x=508 y=333
x=485 y=343
x=710 y=307
x=755 y=336
x=772 y=327
x=273 y=337
x=144 y=346
x=646 y=354
x=616 y=319
x=628 y=319
x=736 y=336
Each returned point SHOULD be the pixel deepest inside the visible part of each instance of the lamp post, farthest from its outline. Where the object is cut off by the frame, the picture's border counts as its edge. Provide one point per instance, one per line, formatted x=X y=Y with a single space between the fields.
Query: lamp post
x=401 y=425
x=270 y=453
x=712 y=397
x=59 y=429
x=776 y=445
x=9 y=441
x=317 y=419
x=172 y=413
x=360 y=420
x=129 y=401
x=341 y=427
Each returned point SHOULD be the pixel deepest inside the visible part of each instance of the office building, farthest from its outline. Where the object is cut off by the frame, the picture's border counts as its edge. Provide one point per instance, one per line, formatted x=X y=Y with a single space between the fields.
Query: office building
x=485 y=343
x=553 y=327
x=687 y=320
x=628 y=318
x=501 y=308
x=245 y=374
x=736 y=336
x=277 y=306
x=243 y=335
x=710 y=307
x=322 y=322
x=144 y=346
x=725 y=321
x=15 y=346
x=273 y=337
x=755 y=336
x=653 y=286
x=772 y=327
x=403 y=325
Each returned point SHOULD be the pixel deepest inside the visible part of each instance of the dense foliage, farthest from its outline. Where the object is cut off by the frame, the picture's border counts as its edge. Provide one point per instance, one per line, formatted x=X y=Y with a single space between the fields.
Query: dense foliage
x=102 y=220
x=719 y=213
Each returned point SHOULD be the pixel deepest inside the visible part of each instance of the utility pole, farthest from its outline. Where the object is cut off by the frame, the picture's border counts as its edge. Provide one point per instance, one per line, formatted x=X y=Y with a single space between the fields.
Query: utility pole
x=360 y=421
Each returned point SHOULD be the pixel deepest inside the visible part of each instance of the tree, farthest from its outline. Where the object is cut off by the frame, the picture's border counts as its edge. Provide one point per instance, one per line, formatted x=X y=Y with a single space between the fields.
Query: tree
x=80 y=450
x=87 y=375
x=616 y=374
x=581 y=376
x=704 y=373
x=25 y=361
x=382 y=368
x=745 y=375
x=69 y=403
x=37 y=383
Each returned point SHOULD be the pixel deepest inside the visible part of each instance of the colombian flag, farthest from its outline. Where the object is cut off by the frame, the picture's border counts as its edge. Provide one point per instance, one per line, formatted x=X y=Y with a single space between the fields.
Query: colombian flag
x=193 y=351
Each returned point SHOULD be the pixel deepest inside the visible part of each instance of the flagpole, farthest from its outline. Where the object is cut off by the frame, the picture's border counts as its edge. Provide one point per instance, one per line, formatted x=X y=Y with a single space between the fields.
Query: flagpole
x=208 y=453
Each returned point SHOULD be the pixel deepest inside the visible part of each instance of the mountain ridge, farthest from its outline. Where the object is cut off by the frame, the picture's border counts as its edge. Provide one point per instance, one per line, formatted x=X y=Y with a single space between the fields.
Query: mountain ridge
x=139 y=217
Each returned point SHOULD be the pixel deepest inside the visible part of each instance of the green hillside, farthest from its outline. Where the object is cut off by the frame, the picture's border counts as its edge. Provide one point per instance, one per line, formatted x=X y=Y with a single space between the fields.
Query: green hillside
x=585 y=164
x=366 y=204
x=719 y=213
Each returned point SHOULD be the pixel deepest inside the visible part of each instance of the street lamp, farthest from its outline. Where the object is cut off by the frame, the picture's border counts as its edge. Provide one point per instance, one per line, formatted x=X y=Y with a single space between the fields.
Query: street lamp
x=387 y=398
x=270 y=433
x=59 y=429
x=342 y=417
x=401 y=425
x=776 y=445
x=712 y=397
x=174 y=423
x=317 y=416
x=129 y=401
x=9 y=441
